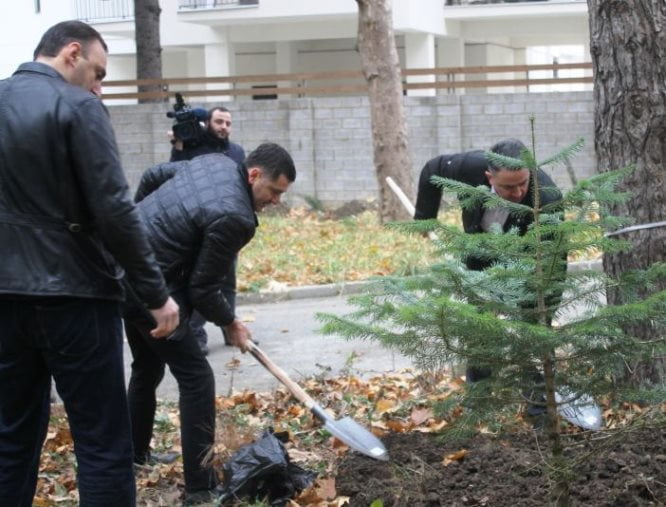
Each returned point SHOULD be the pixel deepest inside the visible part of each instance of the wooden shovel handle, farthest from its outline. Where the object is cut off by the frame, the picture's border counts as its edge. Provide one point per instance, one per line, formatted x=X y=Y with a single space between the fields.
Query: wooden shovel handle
x=282 y=376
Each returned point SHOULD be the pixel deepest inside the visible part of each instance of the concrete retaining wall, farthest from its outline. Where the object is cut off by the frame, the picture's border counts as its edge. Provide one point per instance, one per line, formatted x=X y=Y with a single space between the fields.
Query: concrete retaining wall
x=330 y=138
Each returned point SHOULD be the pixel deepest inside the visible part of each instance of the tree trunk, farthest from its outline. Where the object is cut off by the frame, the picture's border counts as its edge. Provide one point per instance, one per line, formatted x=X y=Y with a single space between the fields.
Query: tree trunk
x=381 y=68
x=628 y=46
x=148 y=47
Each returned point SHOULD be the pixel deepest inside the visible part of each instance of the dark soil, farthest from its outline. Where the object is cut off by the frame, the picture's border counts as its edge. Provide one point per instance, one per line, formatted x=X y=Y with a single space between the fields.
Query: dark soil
x=505 y=471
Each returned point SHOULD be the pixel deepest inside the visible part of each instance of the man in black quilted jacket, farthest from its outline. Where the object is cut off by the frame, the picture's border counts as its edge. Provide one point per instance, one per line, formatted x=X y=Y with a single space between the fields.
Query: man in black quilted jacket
x=67 y=227
x=198 y=214
x=214 y=140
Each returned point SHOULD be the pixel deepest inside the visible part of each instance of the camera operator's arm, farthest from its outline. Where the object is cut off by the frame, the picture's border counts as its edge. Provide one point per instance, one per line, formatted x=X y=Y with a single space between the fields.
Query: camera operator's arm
x=177 y=145
x=188 y=153
x=154 y=177
x=178 y=154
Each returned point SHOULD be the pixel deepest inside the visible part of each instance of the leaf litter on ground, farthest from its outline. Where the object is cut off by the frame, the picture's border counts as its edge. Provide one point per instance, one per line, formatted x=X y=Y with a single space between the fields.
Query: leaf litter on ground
x=301 y=248
x=391 y=403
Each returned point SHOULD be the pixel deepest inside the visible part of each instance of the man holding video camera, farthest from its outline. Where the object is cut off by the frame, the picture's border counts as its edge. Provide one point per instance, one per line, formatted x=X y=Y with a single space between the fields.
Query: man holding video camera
x=212 y=138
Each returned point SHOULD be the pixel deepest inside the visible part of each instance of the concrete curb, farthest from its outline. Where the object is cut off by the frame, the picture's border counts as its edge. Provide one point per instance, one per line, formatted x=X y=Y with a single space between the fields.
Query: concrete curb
x=302 y=292
x=346 y=288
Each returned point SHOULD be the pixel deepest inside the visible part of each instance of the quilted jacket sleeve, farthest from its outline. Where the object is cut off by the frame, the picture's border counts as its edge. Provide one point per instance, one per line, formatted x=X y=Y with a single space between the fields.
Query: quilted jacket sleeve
x=154 y=177
x=222 y=241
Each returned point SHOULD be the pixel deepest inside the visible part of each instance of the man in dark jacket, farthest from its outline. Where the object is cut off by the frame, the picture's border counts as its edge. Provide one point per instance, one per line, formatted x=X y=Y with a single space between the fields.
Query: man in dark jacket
x=474 y=169
x=66 y=218
x=215 y=140
x=199 y=214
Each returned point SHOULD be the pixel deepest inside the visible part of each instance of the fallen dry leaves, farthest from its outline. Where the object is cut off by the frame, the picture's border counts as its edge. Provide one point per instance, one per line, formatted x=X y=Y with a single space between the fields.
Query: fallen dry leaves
x=389 y=403
x=310 y=248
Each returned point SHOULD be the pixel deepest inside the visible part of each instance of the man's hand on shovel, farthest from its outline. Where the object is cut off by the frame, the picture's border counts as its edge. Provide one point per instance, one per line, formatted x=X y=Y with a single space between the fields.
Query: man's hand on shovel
x=238 y=335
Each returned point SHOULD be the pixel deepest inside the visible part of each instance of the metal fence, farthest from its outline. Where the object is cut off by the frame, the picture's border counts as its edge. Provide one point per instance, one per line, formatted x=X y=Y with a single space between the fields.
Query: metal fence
x=96 y=11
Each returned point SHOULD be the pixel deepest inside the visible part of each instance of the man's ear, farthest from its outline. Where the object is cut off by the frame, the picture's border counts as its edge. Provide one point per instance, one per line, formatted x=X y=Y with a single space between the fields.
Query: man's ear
x=253 y=174
x=489 y=176
x=71 y=53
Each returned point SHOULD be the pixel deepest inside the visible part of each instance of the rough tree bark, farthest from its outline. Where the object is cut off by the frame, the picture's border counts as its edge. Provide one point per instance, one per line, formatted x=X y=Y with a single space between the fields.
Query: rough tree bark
x=628 y=46
x=381 y=68
x=148 y=47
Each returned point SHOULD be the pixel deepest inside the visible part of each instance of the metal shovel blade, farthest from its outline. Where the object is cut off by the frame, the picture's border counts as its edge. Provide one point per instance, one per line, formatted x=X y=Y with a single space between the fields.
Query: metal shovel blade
x=357 y=437
x=346 y=430
x=579 y=410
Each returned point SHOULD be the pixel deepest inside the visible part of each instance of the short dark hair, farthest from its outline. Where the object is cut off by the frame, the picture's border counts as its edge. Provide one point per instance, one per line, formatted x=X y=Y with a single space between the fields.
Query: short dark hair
x=58 y=36
x=509 y=148
x=217 y=108
x=273 y=160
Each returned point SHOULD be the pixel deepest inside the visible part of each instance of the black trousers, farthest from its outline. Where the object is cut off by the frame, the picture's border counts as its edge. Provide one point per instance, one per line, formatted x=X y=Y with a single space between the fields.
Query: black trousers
x=196 y=389
x=78 y=343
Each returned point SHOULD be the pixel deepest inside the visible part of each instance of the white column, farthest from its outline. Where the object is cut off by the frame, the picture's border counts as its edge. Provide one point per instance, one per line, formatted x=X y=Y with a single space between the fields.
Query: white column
x=476 y=55
x=285 y=62
x=520 y=58
x=420 y=54
x=450 y=53
x=218 y=62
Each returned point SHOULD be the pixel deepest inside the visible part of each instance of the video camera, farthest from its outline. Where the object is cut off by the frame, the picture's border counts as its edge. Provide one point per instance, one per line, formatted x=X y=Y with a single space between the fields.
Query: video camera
x=187 y=125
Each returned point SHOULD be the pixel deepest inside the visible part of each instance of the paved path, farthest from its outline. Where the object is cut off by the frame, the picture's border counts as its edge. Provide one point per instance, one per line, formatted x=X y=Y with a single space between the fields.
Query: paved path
x=286 y=332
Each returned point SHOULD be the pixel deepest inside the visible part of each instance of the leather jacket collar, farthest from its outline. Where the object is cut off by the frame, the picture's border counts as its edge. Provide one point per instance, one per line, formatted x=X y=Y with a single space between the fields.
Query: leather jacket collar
x=39 y=68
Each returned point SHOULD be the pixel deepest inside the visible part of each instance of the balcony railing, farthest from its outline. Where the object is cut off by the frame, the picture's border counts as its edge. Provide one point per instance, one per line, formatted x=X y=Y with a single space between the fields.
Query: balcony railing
x=215 y=4
x=448 y=79
x=484 y=2
x=96 y=11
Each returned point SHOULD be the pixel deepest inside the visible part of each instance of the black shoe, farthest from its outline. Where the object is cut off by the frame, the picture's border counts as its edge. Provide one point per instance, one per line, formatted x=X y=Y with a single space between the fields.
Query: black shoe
x=155 y=458
x=165 y=458
x=203 y=497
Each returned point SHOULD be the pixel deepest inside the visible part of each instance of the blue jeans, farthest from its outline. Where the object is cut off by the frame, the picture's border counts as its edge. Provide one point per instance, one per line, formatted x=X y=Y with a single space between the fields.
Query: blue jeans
x=78 y=343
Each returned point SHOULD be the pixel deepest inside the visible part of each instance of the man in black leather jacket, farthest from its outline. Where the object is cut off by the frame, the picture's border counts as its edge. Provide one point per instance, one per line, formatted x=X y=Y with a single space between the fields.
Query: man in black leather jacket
x=215 y=140
x=199 y=214
x=474 y=169
x=67 y=226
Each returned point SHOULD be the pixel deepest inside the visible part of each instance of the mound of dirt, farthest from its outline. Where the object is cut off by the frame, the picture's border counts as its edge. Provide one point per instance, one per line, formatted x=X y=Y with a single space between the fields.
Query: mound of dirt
x=504 y=471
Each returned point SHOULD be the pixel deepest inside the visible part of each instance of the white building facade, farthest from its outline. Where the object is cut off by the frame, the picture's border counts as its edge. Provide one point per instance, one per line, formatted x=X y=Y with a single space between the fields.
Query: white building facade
x=208 y=38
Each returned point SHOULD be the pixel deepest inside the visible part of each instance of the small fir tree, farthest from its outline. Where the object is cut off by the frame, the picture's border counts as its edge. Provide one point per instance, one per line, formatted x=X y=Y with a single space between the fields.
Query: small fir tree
x=510 y=318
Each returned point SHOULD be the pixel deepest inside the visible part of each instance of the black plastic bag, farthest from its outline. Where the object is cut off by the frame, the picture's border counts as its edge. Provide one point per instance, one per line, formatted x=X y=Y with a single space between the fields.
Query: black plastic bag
x=262 y=471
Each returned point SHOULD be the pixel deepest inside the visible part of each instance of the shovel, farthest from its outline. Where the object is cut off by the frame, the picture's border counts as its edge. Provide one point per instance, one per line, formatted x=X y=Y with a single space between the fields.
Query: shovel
x=346 y=430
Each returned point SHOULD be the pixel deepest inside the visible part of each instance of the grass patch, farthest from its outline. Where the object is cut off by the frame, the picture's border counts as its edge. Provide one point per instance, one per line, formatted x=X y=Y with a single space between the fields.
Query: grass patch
x=310 y=248
x=305 y=248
